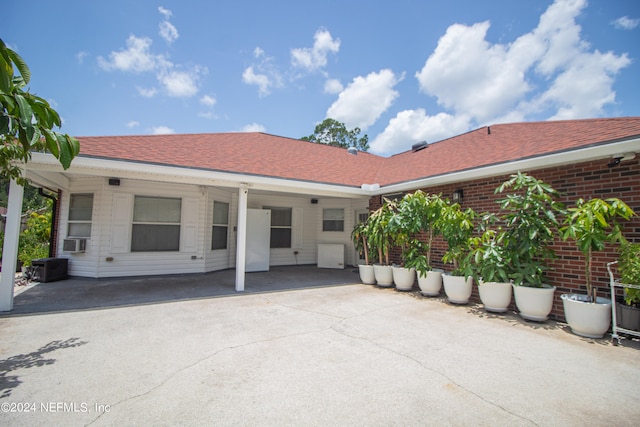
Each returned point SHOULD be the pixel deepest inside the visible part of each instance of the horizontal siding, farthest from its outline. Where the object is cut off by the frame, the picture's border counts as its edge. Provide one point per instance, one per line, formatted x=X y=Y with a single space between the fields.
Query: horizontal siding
x=100 y=261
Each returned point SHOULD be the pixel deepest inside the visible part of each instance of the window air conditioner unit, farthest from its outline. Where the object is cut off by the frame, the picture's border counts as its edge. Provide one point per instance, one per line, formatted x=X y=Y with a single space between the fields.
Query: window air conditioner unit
x=74 y=245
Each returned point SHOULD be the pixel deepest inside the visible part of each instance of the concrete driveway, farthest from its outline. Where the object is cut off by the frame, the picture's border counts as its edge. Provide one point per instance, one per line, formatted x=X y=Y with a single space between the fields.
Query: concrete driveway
x=348 y=354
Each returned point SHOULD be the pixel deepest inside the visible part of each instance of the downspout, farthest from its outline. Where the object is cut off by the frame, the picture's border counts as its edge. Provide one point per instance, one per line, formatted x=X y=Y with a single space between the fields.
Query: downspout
x=54 y=210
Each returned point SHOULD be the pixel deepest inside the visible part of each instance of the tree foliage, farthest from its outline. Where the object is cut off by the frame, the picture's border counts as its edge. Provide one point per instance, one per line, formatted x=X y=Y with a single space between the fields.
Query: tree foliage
x=333 y=132
x=26 y=120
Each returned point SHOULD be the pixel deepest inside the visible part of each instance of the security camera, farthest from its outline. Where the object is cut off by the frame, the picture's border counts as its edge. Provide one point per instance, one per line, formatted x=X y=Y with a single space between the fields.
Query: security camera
x=617 y=158
x=615 y=162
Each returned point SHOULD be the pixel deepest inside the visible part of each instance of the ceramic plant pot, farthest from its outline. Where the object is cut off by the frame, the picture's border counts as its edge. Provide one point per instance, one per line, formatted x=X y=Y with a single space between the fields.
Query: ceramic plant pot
x=495 y=296
x=587 y=319
x=367 y=275
x=457 y=288
x=627 y=317
x=404 y=278
x=534 y=303
x=430 y=284
x=383 y=275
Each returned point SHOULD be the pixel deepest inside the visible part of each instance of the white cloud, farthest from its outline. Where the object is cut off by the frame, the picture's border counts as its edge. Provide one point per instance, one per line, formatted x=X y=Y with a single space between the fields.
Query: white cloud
x=263 y=81
x=258 y=52
x=207 y=100
x=411 y=126
x=550 y=72
x=133 y=124
x=333 y=86
x=80 y=56
x=167 y=30
x=626 y=23
x=365 y=99
x=180 y=84
x=162 y=130
x=147 y=93
x=253 y=127
x=136 y=57
x=315 y=57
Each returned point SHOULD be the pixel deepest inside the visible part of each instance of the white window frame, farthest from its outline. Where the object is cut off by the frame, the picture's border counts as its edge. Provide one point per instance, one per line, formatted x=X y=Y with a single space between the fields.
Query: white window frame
x=71 y=220
x=177 y=224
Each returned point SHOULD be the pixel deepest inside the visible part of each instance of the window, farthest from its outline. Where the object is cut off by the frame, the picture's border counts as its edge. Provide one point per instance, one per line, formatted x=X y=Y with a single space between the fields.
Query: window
x=220 y=225
x=280 y=227
x=333 y=220
x=80 y=213
x=156 y=224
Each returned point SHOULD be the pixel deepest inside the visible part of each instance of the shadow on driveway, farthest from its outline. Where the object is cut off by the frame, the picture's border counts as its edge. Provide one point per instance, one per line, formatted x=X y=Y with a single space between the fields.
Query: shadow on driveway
x=86 y=293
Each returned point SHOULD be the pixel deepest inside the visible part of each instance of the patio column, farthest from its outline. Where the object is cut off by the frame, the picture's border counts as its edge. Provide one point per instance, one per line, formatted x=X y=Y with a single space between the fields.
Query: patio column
x=241 y=243
x=10 y=248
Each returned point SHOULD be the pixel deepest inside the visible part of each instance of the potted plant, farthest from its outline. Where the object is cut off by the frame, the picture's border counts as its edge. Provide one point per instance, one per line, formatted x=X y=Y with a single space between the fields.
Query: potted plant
x=592 y=224
x=628 y=308
x=491 y=266
x=407 y=221
x=359 y=237
x=529 y=217
x=457 y=226
x=380 y=240
x=429 y=278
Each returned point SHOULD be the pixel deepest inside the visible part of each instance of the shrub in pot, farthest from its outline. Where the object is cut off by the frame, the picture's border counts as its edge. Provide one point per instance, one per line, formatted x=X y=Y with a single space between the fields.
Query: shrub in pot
x=628 y=308
x=491 y=267
x=529 y=213
x=360 y=241
x=377 y=231
x=457 y=227
x=592 y=224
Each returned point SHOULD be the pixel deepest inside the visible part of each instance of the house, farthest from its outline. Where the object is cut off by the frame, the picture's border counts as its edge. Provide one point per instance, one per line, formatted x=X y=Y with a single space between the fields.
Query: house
x=166 y=204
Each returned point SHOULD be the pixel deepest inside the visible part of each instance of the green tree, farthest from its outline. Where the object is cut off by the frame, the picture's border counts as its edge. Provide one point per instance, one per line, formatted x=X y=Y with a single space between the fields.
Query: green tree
x=26 y=120
x=333 y=132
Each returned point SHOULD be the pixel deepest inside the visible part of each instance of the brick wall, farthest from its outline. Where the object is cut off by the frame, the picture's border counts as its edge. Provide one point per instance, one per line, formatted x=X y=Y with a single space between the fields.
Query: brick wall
x=584 y=180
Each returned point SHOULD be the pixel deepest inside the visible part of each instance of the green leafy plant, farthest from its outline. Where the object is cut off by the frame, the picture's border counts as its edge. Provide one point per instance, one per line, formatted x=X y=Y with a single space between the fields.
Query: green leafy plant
x=592 y=225
x=529 y=217
x=405 y=223
x=360 y=241
x=377 y=230
x=489 y=257
x=34 y=240
x=26 y=120
x=629 y=268
x=457 y=227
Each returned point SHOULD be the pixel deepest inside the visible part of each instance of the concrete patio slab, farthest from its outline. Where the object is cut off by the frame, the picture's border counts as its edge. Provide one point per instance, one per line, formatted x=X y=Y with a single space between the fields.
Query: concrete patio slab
x=341 y=355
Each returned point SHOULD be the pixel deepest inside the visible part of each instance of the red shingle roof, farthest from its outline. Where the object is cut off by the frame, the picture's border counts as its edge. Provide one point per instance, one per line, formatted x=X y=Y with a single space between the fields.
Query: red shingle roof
x=274 y=156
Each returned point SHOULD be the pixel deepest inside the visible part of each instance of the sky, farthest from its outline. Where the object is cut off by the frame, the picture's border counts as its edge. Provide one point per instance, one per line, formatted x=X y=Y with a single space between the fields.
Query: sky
x=403 y=71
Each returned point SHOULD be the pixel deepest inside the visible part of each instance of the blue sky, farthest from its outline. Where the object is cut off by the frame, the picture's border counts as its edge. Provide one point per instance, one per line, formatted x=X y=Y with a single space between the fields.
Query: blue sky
x=401 y=71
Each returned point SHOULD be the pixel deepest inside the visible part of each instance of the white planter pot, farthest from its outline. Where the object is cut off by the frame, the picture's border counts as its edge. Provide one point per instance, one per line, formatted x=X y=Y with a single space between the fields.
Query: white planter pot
x=587 y=319
x=457 y=288
x=495 y=296
x=367 y=276
x=534 y=303
x=404 y=278
x=383 y=275
x=430 y=284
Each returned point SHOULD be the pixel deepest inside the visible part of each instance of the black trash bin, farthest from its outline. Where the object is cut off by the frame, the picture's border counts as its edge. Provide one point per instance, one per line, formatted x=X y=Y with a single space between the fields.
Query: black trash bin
x=49 y=269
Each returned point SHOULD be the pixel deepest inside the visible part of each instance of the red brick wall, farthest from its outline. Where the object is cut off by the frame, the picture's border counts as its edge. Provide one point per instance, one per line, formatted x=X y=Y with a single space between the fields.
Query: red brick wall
x=584 y=180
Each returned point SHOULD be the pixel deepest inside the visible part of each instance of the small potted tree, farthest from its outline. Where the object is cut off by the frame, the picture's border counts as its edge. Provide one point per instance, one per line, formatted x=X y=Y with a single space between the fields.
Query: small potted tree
x=377 y=231
x=592 y=225
x=628 y=308
x=491 y=266
x=457 y=227
x=529 y=217
x=359 y=237
x=430 y=279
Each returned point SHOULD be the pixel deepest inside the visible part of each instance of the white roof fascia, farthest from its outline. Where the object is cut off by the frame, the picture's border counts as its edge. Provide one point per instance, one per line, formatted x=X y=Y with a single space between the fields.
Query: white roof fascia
x=607 y=151
x=160 y=173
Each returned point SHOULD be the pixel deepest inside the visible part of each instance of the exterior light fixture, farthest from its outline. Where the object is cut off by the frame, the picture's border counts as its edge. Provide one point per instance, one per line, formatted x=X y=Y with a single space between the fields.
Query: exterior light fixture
x=457 y=196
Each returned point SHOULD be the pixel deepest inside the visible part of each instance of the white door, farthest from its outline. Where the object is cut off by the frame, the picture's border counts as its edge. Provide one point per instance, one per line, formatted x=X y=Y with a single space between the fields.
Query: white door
x=361 y=216
x=258 y=240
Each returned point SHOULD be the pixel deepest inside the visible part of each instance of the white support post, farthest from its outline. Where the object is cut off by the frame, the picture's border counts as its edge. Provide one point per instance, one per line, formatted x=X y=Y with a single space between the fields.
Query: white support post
x=241 y=245
x=10 y=248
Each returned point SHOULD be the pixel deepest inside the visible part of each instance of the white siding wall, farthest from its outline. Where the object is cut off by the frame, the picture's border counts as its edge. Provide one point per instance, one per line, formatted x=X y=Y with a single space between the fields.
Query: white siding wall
x=108 y=250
